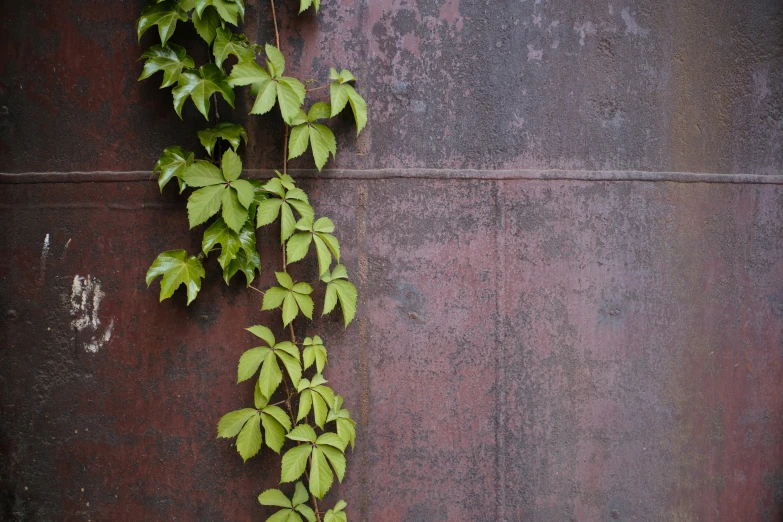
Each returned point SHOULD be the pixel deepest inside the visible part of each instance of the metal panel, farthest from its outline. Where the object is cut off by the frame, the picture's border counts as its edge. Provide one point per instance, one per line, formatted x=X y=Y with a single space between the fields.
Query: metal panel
x=602 y=342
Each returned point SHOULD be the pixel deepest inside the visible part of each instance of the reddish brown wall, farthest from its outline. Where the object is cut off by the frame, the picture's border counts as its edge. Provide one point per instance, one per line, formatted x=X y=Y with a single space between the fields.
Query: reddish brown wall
x=603 y=341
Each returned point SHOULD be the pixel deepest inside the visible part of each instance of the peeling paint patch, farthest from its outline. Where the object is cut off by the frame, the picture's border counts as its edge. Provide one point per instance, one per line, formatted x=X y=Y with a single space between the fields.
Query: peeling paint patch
x=584 y=29
x=534 y=54
x=44 y=255
x=86 y=297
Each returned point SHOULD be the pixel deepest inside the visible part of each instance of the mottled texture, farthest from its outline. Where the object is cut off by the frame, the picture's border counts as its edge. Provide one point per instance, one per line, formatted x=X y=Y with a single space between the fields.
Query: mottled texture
x=672 y=85
x=530 y=345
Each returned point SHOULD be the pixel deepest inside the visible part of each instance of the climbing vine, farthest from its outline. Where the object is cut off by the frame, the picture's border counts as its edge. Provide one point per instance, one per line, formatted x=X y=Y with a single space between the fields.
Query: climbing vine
x=293 y=410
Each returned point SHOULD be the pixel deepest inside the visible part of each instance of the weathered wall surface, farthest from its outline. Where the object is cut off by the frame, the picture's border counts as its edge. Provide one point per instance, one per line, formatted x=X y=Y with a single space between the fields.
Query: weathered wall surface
x=545 y=333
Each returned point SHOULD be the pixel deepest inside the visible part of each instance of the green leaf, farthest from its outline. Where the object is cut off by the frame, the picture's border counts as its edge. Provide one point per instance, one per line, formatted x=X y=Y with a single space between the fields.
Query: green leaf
x=206 y=23
x=231 y=423
x=332 y=243
x=231 y=165
x=346 y=430
x=294 y=462
x=314 y=352
x=284 y=515
x=336 y=459
x=227 y=43
x=172 y=163
x=287 y=222
x=319 y=111
x=302 y=207
x=163 y=14
x=288 y=100
x=231 y=132
x=321 y=476
x=343 y=93
x=275 y=59
x=234 y=213
x=306 y=511
x=177 y=268
x=249 y=439
x=262 y=332
x=300 y=495
x=297 y=247
x=199 y=86
x=339 y=288
x=302 y=433
x=305 y=404
x=268 y=211
x=249 y=363
x=331 y=439
x=305 y=304
x=273 y=298
x=324 y=256
x=274 y=497
x=204 y=203
x=319 y=410
x=284 y=280
x=245 y=192
x=202 y=174
x=170 y=59
x=336 y=514
x=290 y=309
x=247 y=262
x=218 y=233
x=229 y=10
x=292 y=366
x=297 y=143
x=322 y=142
x=280 y=416
x=266 y=95
x=275 y=433
x=270 y=376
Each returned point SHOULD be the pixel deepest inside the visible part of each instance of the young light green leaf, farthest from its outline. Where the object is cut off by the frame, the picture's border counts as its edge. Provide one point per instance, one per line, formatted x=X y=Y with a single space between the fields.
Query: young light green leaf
x=274 y=497
x=276 y=59
x=273 y=298
x=199 y=86
x=231 y=423
x=336 y=514
x=339 y=288
x=302 y=433
x=336 y=459
x=297 y=143
x=267 y=211
x=172 y=164
x=231 y=132
x=305 y=304
x=163 y=14
x=319 y=111
x=290 y=309
x=331 y=439
x=275 y=433
x=231 y=165
x=344 y=93
x=314 y=351
x=304 y=4
x=294 y=462
x=262 y=332
x=177 y=268
x=249 y=439
x=307 y=512
x=305 y=403
x=234 y=213
x=249 y=363
x=228 y=43
x=322 y=142
x=271 y=376
x=297 y=246
x=171 y=59
x=279 y=415
x=321 y=476
x=206 y=23
x=288 y=98
x=287 y=222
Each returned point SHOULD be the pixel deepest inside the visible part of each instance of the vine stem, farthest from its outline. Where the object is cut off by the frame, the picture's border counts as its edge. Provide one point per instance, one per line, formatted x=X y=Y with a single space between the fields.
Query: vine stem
x=291 y=324
x=318 y=88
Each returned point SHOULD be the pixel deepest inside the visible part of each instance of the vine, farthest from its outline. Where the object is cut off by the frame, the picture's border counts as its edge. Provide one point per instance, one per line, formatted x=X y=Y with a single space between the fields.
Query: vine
x=314 y=429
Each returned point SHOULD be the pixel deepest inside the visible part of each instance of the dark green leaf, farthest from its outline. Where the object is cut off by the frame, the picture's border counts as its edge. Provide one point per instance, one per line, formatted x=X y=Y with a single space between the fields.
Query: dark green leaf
x=177 y=268
x=165 y=15
x=172 y=163
x=227 y=43
x=170 y=59
x=199 y=86
x=207 y=23
x=219 y=233
x=231 y=132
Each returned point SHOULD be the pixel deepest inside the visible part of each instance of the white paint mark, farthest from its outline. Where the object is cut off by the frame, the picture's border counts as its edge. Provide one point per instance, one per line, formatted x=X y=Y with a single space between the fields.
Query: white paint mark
x=86 y=297
x=534 y=54
x=631 y=27
x=44 y=255
x=65 y=249
x=584 y=29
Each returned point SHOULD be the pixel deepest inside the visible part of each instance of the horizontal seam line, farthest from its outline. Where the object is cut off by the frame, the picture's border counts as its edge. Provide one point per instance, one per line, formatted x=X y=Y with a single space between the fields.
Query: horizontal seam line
x=411 y=173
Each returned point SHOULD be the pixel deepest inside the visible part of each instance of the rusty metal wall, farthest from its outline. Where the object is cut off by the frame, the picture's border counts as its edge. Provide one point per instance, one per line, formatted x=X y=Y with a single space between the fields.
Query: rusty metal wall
x=565 y=220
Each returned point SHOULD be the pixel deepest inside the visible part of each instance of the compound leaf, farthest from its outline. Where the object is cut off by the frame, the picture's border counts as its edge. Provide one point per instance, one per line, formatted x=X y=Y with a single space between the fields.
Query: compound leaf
x=177 y=268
